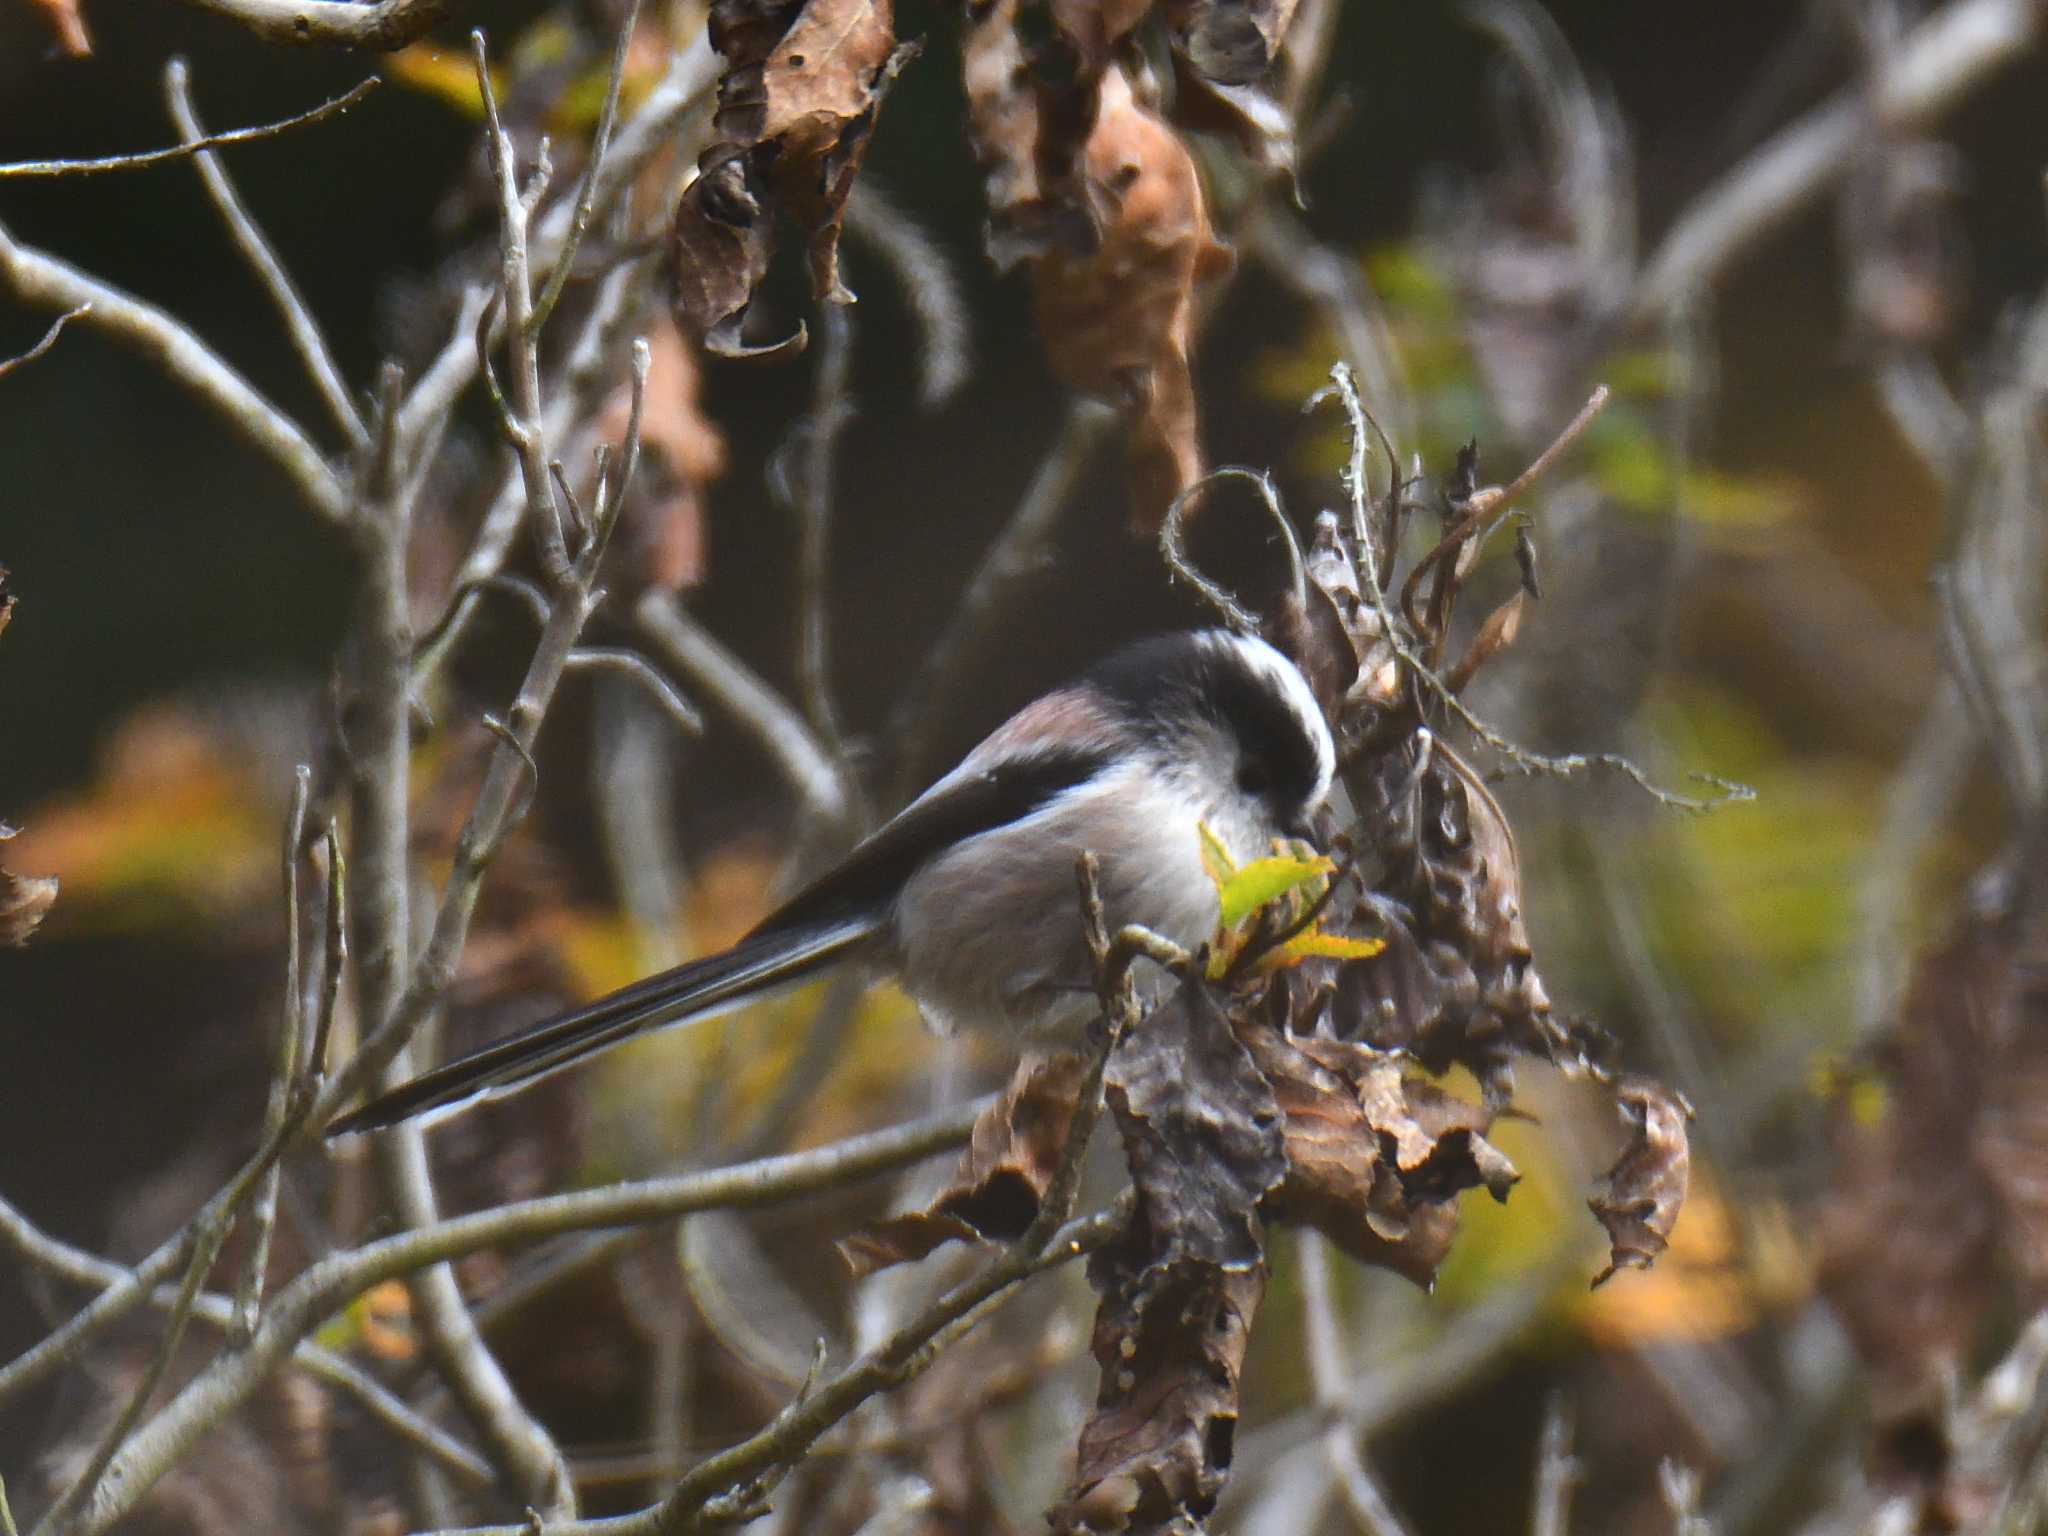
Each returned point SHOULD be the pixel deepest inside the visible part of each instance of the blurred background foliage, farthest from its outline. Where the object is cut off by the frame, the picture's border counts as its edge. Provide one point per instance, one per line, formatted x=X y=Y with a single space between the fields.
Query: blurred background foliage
x=178 y=614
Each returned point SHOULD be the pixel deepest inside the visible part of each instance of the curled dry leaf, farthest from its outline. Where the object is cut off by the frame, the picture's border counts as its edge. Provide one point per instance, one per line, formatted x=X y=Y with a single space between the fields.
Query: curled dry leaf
x=1119 y=321
x=1457 y=983
x=1201 y=1130
x=1646 y=1185
x=1375 y=1160
x=1336 y=637
x=1002 y=1175
x=1170 y=1340
x=661 y=541
x=796 y=106
x=1495 y=635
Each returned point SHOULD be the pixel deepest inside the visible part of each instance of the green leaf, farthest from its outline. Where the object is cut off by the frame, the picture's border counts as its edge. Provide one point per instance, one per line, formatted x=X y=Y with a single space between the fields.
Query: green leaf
x=1267 y=879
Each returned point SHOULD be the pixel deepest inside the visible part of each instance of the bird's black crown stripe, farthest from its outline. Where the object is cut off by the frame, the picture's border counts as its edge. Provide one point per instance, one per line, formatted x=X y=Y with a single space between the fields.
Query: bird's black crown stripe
x=1164 y=677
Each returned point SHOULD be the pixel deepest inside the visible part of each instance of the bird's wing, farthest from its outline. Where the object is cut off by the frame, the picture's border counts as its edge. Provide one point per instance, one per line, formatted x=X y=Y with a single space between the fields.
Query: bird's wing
x=817 y=926
x=971 y=799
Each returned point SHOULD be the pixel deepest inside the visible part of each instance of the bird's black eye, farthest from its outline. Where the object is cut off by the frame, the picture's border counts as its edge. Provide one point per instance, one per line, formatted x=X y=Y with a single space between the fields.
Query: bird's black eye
x=1253 y=778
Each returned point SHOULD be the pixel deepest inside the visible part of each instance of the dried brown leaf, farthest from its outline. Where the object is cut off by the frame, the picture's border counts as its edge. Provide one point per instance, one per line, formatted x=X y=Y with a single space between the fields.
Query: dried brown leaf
x=1119 y=321
x=1201 y=1131
x=1375 y=1158
x=1260 y=126
x=720 y=246
x=1456 y=983
x=1495 y=635
x=1232 y=42
x=1156 y=1451
x=1646 y=1186
x=994 y=1193
x=796 y=106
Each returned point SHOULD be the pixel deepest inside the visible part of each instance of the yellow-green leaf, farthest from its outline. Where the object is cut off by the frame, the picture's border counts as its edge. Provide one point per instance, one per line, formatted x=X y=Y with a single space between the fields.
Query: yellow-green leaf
x=1313 y=943
x=1216 y=858
x=1267 y=879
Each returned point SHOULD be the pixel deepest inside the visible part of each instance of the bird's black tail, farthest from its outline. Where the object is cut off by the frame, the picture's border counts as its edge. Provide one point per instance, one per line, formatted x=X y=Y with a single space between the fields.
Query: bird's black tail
x=758 y=964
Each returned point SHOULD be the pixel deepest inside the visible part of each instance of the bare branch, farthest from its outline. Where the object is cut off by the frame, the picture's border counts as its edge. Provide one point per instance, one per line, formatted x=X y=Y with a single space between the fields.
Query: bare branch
x=586 y=191
x=43 y=280
x=1174 y=551
x=290 y=1035
x=642 y=671
x=1935 y=66
x=929 y=284
x=1557 y=1473
x=523 y=422
x=380 y=26
x=690 y=650
x=330 y=1283
x=291 y=305
x=205 y=142
x=79 y=1267
x=804 y=482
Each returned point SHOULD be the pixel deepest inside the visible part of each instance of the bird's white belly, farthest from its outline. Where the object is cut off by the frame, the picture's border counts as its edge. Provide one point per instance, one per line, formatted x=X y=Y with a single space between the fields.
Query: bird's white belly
x=990 y=934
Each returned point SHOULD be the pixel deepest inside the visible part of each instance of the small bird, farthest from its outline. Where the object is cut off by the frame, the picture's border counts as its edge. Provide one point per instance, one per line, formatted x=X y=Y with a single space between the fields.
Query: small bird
x=967 y=896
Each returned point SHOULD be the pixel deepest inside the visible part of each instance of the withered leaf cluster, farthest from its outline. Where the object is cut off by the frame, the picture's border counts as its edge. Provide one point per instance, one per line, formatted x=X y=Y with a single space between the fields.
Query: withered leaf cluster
x=1091 y=183
x=1089 y=179
x=796 y=106
x=1937 y=1225
x=1226 y=1123
x=1306 y=1092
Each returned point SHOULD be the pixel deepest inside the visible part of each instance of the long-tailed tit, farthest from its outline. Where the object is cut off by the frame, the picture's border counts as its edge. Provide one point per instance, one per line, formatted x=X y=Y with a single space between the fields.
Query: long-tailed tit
x=968 y=896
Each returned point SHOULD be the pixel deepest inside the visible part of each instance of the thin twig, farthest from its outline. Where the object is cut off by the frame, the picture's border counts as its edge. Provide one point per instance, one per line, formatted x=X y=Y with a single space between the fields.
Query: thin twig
x=523 y=420
x=586 y=191
x=610 y=658
x=930 y=287
x=290 y=1038
x=39 y=279
x=1329 y=1370
x=1557 y=1472
x=328 y=1284
x=379 y=25
x=256 y=250
x=1936 y=65
x=1174 y=551
x=8 y=365
x=691 y=651
x=204 y=143
x=1518 y=758
x=79 y=1267
x=804 y=482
